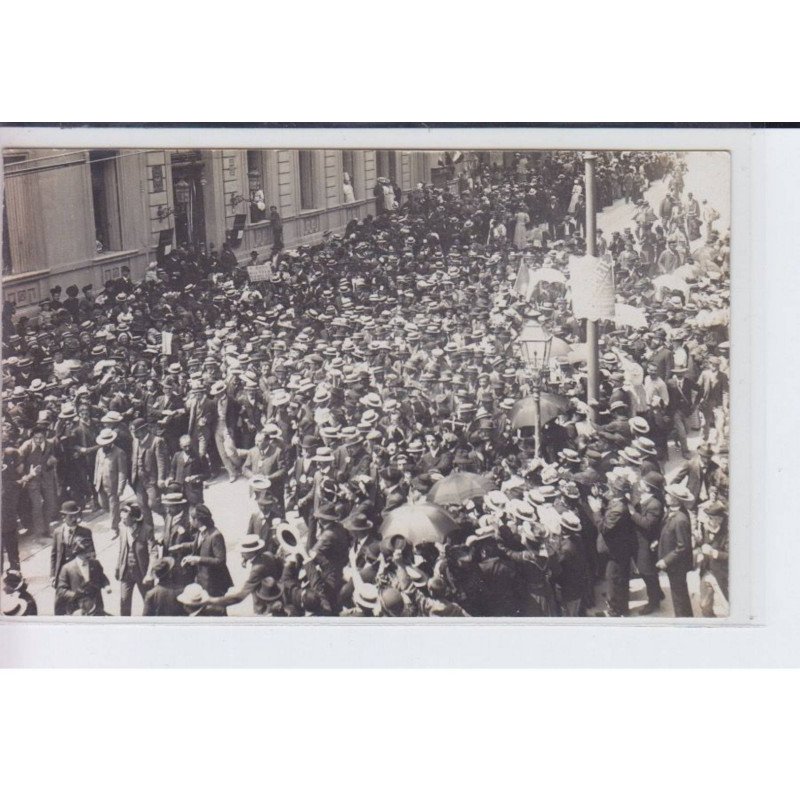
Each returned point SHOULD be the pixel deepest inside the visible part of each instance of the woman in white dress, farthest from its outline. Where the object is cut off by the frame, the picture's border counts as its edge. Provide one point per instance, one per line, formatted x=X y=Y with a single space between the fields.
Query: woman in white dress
x=577 y=191
x=521 y=228
x=347 y=189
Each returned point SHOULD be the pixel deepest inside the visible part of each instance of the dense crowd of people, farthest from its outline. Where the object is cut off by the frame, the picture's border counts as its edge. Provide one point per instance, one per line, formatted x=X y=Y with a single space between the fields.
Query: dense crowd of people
x=369 y=392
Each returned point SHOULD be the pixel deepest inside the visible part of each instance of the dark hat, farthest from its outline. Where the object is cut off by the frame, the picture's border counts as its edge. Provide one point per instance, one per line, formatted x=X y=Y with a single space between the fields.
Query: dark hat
x=269 y=590
x=70 y=507
x=83 y=544
x=391 y=602
x=13 y=580
x=715 y=509
x=357 y=523
x=135 y=509
x=655 y=480
x=162 y=567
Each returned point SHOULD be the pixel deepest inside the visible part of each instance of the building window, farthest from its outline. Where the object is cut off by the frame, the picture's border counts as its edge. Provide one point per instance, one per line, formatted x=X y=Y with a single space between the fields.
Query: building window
x=7 y=267
x=307 y=180
x=387 y=164
x=105 y=200
x=8 y=263
x=257 y=184
x=349 y=191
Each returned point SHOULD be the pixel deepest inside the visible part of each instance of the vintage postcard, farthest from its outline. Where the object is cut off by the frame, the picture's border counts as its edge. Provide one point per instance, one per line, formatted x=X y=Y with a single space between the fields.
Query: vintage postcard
x=366 y=383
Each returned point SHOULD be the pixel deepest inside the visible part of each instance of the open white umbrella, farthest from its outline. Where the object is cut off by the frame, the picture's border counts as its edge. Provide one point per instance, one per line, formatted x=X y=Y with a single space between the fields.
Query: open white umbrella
x=578 y=353
x=458 y=487
x=631 y=316
x=547 y=274
x=671 y=281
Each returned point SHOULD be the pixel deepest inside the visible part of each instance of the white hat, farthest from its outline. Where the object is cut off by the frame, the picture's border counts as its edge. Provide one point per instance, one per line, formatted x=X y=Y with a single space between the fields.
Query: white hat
x=106 y=436
x=193 y=595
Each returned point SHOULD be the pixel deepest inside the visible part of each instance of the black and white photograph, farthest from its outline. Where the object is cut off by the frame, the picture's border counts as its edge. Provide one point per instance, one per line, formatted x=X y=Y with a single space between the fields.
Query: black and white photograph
x=366 y=383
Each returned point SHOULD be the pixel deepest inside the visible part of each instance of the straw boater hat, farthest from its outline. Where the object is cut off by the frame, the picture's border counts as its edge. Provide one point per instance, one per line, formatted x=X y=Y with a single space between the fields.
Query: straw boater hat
x=12 y=605
x=680 y=492
x=106 y=436
x=570 y=522
x=570 y=456
x=324 y=455
x=272 y=431
x=365 y=596
x=280 y=397
x=252 y=544
x=259 y=483
x=173 y=499
x=496 y=501
x=67 y=411
x=193 y=596
x=521 y=510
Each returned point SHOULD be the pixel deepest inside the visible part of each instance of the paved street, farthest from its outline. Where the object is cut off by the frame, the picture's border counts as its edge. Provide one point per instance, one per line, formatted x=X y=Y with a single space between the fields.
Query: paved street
x=703 y=179
x=230 y=502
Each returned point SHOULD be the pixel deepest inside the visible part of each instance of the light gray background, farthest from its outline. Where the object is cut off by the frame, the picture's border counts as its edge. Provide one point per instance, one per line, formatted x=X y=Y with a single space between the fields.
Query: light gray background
x=765 y=548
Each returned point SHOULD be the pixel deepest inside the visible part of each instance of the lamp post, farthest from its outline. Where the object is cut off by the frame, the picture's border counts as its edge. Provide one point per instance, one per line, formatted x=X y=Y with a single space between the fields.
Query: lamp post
x=592 y=362
x=535 y=343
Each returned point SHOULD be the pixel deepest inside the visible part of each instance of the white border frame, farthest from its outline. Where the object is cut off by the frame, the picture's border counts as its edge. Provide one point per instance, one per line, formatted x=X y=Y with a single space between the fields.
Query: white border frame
x=428 y=642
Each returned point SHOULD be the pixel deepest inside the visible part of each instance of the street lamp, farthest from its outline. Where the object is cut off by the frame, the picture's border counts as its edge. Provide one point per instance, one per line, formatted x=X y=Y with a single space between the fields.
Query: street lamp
x=535 y=342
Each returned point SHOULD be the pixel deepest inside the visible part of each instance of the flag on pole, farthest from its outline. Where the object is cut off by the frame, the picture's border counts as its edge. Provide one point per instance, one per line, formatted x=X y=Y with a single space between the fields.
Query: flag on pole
x=524 y=283
x=591 y=282
x=631 y=316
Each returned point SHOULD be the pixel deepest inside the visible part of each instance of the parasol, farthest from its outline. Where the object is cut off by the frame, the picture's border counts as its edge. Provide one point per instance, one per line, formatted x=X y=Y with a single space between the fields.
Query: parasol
x=547 y=274
x=686 y=272
x=578 y=352
x=670 y=282
x=417 y=523
x=625 y=314
x=558 y=347
x=458 y=487
x=523 y=414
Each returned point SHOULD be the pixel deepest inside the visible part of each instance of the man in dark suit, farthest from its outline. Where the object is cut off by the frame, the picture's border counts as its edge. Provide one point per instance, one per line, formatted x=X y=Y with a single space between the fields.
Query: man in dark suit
x=161 y=600
x=618 y=539
x=149 y=467
x=262 y=565
x=208 y=554
x=260 y=522
x=176 y=540
x=647 y=512
x=435 y=459
x=137 y=550
x=712 y=558
x=303 y=472
x=662 y=356
x=39 y=460
x=696 y=471
x=675 y=547
x=187 y=470
x=65 y=541
x=266 y=459
x=394 y=493
x=83 y=575
x=680 y=389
